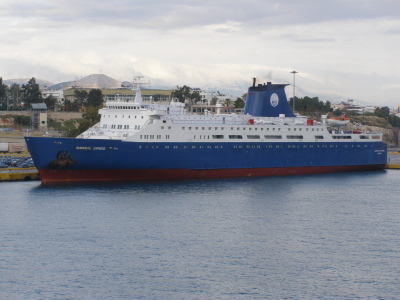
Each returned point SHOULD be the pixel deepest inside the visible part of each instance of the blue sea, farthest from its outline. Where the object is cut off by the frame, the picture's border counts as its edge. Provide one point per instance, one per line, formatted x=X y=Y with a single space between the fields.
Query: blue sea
x=334 y=236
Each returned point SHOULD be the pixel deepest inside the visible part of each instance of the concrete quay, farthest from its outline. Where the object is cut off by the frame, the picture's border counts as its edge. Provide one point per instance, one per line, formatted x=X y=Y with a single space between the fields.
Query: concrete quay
x=18 y=174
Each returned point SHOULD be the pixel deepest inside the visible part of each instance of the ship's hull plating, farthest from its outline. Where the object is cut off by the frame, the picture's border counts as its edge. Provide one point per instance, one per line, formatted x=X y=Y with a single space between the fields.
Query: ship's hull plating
x=68 y=160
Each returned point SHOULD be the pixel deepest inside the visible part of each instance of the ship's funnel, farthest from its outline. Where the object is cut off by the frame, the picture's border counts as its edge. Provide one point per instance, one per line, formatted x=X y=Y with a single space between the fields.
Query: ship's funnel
x=267 y=100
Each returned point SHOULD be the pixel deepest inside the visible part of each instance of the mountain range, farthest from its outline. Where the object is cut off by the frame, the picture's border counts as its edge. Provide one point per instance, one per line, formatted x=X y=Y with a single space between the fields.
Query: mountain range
x=94 y=81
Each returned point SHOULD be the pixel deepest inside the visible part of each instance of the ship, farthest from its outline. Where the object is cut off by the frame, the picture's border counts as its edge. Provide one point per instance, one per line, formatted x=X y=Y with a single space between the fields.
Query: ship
x=137 y=140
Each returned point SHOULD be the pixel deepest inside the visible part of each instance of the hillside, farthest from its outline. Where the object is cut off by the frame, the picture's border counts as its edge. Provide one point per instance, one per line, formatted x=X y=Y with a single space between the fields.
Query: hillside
x=22 y=81
x=375 y=124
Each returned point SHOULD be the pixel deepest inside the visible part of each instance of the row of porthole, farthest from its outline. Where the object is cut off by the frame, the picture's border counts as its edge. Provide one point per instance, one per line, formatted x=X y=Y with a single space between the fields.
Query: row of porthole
x=241 y=146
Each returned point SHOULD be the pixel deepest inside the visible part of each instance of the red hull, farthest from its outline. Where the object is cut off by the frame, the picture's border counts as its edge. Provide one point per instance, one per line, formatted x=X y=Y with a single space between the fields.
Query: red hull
x=65 y=175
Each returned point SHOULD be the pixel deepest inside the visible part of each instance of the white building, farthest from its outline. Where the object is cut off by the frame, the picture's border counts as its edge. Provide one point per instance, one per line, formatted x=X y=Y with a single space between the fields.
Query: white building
x=207 y=96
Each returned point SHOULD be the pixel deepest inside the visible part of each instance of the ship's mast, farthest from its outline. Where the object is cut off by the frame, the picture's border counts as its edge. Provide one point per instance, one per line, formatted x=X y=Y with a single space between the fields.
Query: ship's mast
x=138 y=81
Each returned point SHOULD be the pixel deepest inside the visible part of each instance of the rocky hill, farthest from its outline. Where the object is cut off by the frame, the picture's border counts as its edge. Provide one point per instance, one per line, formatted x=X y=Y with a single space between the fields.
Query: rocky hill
x=375 y=124
x=97 y=81
x=22 y=81
x=94 y=81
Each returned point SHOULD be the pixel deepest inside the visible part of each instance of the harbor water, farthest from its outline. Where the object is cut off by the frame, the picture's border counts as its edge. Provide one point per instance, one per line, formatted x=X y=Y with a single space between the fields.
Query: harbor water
x=333 y=236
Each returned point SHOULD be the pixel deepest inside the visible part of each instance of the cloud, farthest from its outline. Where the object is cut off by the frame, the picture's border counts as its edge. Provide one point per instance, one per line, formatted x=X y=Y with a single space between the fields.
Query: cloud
x=208 y=43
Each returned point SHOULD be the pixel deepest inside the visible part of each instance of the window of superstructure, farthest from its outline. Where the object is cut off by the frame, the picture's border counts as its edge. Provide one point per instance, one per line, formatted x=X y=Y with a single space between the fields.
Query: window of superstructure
x=169 y=127
x=235 y=137
x=319 y=137
x=217 y=136
x=162 y=127
x=294 y=137
x=253 y=137
x=271 y=137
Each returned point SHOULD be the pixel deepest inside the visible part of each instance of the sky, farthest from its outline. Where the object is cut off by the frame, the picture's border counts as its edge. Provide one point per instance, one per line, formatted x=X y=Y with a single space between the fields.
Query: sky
x=341 y=49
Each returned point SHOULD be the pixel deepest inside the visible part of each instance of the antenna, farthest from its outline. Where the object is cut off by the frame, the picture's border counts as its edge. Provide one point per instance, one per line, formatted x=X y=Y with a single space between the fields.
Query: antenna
x=294 y=85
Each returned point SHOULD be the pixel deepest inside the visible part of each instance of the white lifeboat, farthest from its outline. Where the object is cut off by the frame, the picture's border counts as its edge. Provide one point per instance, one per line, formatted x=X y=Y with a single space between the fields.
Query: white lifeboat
x=337 y=121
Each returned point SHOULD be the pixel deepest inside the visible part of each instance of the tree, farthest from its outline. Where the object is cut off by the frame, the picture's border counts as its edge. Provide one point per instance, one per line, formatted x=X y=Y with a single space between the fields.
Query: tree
x=81 y=97
x=214 y=101
x=14 y=93
x=309 y=105
x=92 y=114
x=95 y=98
x=382 y=112
x=71 y=106
x=20 y=121
x=3 y=94
x=394 y=120
x=31 y=92
x=50 y=101
x=239 y=103
x=83 y=125
x=182 y=93
x=195 y=97
x=3 y=89
x=227 y=102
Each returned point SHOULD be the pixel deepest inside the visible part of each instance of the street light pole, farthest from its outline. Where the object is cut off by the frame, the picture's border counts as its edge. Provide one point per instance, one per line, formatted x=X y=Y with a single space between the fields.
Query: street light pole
x=294 y=85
